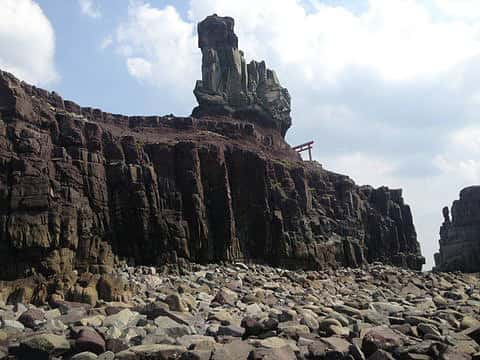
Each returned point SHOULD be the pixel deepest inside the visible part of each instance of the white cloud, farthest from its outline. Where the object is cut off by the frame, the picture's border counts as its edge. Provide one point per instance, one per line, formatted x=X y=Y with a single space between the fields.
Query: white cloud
x=106 y=42
x=27 y=42
x=88 y=8
x=468 y=9
x=399 y=39
x=139 y=68
x=362 y=167
x=160 y=49
x=460 y=160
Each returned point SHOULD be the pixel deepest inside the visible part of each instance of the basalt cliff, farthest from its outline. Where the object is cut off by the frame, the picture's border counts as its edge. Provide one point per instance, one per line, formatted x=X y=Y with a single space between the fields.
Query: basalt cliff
x=82 y=189
x=460 y=234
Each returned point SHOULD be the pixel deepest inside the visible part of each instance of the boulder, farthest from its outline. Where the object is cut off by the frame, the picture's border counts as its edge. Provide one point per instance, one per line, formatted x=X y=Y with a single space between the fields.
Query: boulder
x=32 y=318
x=43 y=346
x=169 y=327
x=123 y=319
x=175 y=303
x=235 y=350
x=89 y=340
x=381 y=338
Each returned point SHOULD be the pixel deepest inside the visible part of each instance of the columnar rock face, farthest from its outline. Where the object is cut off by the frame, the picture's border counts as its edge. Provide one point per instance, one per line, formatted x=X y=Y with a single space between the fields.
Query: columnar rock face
x=80 y=188
x=460 y=235
x=231 y=87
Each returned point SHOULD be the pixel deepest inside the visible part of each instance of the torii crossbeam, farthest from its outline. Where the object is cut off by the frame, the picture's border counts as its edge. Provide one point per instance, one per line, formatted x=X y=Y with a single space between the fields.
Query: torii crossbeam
x=304 y=147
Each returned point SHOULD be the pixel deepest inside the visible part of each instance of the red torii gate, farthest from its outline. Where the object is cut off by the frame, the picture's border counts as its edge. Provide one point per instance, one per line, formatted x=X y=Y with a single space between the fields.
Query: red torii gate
x=304 y=147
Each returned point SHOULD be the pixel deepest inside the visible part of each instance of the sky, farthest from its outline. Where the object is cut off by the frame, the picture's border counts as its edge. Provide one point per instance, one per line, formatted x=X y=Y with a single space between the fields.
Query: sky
x=389 y=90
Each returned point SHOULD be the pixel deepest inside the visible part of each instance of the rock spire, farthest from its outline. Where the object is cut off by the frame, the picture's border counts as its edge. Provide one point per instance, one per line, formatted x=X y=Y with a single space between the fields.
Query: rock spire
x=230 y=86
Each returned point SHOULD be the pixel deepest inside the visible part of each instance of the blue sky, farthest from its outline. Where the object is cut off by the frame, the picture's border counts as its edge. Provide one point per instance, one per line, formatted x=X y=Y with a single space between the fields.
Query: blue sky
x=388 y=89
x=88 y=73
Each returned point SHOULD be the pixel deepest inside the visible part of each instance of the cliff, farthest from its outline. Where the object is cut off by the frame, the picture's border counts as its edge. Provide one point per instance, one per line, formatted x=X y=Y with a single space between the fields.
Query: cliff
x=460 y=235
x=78 y=186
x=81 y=188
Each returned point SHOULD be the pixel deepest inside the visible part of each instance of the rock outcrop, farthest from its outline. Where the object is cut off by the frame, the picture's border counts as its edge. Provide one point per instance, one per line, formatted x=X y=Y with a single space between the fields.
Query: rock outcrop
x=82 y=189
x=230 y=86
x=460 y=235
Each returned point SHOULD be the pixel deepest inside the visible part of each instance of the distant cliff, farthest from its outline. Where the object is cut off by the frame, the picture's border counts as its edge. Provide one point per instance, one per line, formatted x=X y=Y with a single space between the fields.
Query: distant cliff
x=460 y=235
x=81 y=188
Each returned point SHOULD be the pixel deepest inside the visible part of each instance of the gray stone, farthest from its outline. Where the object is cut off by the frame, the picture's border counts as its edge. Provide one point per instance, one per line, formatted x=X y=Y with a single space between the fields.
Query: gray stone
x=89 y=340
x=52 y=314
x=337 y=344
x=225 y=296
x=153 y=351
x=170 y=327
x=123 y=319
x=197 y=342
x=235 y=350
x=175 y=303
x=381 y=355
x=95 y=320
x=107 y=355
x=54 y=325
x=280 y=353
x=428 y=329
x=196 y=355
x=43 y=346
x=12 y=325
x=230 y=330
x=381 y=338
x=474 y=333
x=390 y=309
x=308 y=318
x=32 y=318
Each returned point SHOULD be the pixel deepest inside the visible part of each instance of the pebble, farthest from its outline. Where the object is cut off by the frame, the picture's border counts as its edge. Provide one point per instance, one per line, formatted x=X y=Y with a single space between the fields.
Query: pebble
x=258 y=312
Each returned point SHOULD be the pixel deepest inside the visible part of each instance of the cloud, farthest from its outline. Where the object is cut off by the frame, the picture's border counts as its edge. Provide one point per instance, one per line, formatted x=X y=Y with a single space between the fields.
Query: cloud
x=27 y=42
x=106 y=42
x=88 y=8
x=160 y=49
x=467 y=9
x=461 y=158
x=390 y=93
x=398 y=39
x=139 y=68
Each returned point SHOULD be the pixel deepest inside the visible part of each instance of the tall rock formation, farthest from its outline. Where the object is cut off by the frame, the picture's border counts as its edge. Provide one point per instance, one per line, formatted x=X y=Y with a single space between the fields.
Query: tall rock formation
x=81 y=188
x=231 y=87
x=460 y=235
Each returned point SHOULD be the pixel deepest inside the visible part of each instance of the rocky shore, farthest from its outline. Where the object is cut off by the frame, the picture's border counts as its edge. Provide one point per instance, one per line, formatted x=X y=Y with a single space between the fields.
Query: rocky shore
x=243 y=311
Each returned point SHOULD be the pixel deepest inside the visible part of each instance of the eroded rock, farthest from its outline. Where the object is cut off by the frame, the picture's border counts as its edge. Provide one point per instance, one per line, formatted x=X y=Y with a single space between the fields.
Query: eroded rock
x=460 y=234
x=230 y=86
